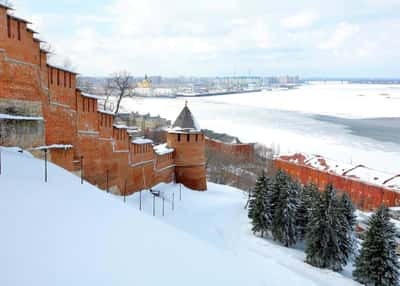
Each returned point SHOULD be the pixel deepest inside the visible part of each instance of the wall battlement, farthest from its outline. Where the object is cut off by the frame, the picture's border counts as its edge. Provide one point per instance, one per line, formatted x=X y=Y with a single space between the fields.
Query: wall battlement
x=367 y=188
x=110 y=158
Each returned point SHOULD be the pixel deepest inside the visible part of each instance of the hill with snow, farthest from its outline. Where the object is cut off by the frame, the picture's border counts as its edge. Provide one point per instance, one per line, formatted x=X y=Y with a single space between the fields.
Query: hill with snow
x=65 y=233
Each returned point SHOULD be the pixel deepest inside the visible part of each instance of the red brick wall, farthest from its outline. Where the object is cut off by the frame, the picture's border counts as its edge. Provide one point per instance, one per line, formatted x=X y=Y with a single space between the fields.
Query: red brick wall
x=245 y=150
x=364 y=196
x=109 y=159
x=19 y=45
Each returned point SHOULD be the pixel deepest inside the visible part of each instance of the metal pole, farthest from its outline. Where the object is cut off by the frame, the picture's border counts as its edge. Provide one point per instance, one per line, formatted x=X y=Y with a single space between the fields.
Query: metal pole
x=81 y=169
x=107 y=181
x=45 y=165
x=140 y=200
x=154 y=205
x=0 y=161
x=180 y=192
x=125 y=193
x=173 y=200
x=163 y=199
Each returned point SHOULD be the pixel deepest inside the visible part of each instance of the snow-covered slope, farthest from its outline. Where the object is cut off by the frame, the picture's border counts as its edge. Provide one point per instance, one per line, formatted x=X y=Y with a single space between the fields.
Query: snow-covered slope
x=65 y=233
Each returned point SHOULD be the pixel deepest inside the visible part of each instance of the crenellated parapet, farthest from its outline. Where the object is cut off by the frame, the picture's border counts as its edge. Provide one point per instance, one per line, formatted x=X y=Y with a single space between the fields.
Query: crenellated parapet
x=103 y=152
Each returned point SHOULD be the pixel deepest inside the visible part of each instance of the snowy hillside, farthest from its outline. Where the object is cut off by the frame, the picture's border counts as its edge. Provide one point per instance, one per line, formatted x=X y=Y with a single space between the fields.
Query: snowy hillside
x=65 y=233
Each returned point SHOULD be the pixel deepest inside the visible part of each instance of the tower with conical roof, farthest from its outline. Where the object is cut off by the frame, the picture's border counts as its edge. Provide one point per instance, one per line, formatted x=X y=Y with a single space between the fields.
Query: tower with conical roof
x=188 y=140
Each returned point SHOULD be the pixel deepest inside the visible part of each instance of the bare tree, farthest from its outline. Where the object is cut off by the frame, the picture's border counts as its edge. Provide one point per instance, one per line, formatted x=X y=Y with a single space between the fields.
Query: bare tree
x=121 y=83
x=107 y=91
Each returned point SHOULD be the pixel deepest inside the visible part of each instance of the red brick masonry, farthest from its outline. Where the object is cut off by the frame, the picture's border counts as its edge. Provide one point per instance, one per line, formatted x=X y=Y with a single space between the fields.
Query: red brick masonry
x=367 y=188
x=111 y=160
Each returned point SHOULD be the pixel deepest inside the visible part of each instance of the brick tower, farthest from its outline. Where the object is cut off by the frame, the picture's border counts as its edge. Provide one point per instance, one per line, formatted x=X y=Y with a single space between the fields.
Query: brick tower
x=188 y=140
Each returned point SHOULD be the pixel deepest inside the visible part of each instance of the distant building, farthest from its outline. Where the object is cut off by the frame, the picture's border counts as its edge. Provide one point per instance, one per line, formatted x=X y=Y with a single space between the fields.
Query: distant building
x=143 y=121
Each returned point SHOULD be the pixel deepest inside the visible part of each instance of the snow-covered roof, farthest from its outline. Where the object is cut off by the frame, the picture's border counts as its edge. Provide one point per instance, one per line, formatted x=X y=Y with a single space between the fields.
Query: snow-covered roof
x=61 y=68
x=186 y=121
x=163 y=149
x=394 y=183
x=106 y=112
x=18 y=117
x=91 y=95
x=358 y=172
x=120 y=126
x=19 y=19
x=142 y=141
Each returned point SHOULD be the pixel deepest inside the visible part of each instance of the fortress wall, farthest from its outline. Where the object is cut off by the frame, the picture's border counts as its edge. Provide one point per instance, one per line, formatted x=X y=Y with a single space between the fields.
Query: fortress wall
x=364 y=195
x=244 y=150
x=29 y=86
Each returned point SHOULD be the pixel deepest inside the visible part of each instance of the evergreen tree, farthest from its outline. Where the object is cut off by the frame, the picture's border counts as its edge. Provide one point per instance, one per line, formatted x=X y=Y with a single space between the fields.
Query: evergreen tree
x=349 y=222
x=311 y=194
x=279 y=183
x=308 y=197
x=377 y=263
x=327 y=241
x=348 y=210
x=303 y=214
x=258 y=206
x=285 y=205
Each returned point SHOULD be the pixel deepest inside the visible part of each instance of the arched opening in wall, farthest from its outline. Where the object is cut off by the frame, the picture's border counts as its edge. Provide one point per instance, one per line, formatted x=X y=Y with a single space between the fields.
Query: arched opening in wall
x=179 y=137
x=197 y=137
x=188 y=137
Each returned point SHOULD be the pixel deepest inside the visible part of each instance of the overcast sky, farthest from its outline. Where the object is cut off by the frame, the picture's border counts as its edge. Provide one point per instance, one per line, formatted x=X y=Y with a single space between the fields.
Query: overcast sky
x=347 y=38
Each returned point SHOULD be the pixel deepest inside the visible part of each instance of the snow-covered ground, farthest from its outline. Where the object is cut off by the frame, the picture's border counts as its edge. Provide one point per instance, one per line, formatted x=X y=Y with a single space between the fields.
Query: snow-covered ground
x=352 y=123
x=65 y=233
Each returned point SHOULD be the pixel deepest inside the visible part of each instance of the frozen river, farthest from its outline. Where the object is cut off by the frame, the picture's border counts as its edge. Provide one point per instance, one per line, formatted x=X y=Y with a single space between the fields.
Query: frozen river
x=358 y=124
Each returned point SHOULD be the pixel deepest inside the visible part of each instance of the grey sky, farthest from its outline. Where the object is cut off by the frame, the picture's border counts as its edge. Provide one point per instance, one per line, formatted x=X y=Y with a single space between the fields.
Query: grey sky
x=354 y=38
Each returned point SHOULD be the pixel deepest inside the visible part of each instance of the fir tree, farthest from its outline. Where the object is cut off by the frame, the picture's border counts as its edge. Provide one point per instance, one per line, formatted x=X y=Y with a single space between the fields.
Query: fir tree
x=327 y=241
x=311 y=194
x=349 y=222
x=348 y=210
x=303 y=214
x=308 y=197
x=258 y=207
x=377 y=263
x=279 y=183
x=285 y=209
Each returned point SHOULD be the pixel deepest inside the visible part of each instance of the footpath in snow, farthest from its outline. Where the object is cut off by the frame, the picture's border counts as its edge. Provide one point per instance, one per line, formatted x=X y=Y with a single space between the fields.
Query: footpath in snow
x=65 y=233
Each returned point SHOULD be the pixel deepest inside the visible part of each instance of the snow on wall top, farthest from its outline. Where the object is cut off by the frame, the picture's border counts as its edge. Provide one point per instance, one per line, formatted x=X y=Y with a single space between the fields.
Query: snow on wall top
x=163 y=149
x=142 y=141
x=359 y=172
x=17 y=117
x=84 y=94
x=54 y=146
x=106 y=112
x=394 y=183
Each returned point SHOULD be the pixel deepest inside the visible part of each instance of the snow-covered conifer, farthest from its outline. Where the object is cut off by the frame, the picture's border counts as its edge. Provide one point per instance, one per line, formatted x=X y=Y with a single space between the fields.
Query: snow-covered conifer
x=258 y=206
x=285 y=204
x=377 y=263
x=327 y=244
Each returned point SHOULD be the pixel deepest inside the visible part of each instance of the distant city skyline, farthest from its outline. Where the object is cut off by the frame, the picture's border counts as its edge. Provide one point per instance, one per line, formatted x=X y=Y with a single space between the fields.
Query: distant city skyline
x=334 y=39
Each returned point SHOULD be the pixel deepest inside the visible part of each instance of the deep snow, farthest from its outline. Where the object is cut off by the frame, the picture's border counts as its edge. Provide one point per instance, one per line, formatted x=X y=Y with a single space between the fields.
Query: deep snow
x=65 y=233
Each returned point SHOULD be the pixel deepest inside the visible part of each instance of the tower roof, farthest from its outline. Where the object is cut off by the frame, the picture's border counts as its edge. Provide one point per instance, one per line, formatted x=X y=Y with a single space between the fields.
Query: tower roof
x=186 y=121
